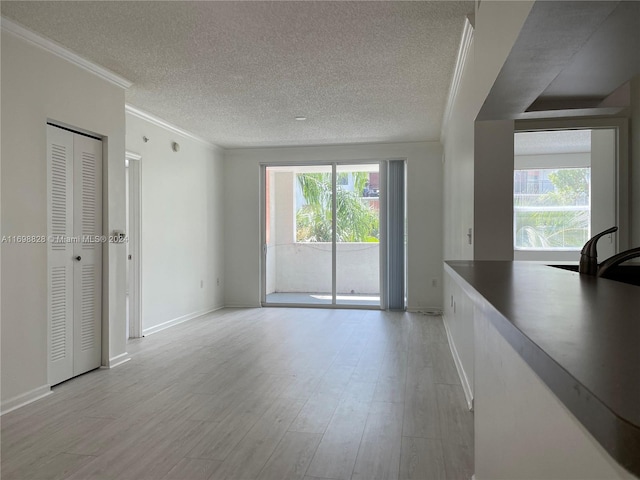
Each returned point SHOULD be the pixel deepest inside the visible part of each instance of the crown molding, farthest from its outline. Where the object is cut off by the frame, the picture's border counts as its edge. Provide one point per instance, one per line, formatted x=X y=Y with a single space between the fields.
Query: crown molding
x=57 y=49
x=461 y=61
x=159 y=122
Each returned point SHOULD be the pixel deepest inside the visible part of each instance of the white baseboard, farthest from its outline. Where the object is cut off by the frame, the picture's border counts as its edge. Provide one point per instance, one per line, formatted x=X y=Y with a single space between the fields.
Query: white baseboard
x=176 y=321
x=466 y=386
x=259 y=305
x=25 y=399
x=117 y=360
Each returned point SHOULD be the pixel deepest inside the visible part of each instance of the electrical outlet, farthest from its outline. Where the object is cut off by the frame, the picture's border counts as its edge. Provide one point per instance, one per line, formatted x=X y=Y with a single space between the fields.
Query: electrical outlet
x=201 y=283
x=434 y=282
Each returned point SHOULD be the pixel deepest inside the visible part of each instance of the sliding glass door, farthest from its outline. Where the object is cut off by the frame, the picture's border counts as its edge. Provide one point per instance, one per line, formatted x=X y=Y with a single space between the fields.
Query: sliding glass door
x=358 y=235
x=321 y=235
x=297 y=253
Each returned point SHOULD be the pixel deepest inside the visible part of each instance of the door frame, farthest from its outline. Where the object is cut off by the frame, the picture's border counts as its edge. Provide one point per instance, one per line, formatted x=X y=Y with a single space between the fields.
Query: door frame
x=382 y=240
x=104 y=317
x=134 y=186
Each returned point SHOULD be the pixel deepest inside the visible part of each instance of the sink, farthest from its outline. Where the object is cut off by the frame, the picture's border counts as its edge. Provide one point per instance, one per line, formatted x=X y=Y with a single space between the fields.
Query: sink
x=622 y=273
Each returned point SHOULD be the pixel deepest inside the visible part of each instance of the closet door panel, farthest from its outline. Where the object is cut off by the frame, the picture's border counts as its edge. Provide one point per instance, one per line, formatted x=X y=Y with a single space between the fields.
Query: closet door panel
x=88 y=253
x=60 y=253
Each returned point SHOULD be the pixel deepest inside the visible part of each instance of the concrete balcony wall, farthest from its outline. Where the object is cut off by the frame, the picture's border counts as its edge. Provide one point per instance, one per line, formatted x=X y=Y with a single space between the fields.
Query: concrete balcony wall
x=306 y=267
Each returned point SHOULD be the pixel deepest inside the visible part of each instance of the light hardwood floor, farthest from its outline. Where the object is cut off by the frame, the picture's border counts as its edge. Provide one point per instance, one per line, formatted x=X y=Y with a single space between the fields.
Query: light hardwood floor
x=266 y=393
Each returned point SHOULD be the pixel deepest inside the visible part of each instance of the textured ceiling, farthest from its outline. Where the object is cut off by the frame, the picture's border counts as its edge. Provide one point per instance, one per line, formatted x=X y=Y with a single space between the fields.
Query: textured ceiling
x=237 y=73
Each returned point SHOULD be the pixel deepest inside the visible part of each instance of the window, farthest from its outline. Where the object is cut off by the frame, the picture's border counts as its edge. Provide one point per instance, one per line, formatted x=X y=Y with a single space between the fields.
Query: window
x=565 y=187
x=552 y=190
x=551 y=208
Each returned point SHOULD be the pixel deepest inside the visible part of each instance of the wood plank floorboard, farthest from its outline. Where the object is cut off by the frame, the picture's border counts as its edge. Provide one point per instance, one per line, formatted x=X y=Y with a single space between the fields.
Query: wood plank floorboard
x=251 y=454
x=458 y=460
x=456 y=423
x=336 y=454
x=193 y=469
x=422 y=458
x=246 y=394
x=292 y=457
x=379 y=452
x=315 y=414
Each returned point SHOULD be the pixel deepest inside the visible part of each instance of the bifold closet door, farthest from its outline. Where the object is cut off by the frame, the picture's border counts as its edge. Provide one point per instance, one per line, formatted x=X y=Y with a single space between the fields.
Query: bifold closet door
x=60 y=253
x=87 y=275
x=74 y=253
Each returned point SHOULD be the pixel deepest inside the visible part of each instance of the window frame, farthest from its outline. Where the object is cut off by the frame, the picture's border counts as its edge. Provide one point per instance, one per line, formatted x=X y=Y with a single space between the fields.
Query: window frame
x=621 y=188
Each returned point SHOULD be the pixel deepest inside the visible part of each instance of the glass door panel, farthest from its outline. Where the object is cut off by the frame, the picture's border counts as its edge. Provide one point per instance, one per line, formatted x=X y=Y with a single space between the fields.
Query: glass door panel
x=358 y=234
x=298 y=235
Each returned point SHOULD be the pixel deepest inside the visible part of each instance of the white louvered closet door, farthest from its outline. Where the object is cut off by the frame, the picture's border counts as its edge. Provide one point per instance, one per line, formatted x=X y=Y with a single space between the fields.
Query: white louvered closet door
x=60 y=253
x=75 y=260
x=87 y=274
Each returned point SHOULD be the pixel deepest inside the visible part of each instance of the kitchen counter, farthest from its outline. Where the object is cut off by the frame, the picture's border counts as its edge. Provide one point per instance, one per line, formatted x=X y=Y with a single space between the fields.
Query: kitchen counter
x=579 y=334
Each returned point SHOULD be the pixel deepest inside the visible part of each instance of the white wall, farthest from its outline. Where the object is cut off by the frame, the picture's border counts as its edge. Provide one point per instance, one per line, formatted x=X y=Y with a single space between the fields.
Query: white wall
x=469 y=192
x=38 y=86
x=424 y=214
x=182 y=225
x=493 y=190
x=603 y=188
x=497 y=25
x=634 y=162
x=458 y=167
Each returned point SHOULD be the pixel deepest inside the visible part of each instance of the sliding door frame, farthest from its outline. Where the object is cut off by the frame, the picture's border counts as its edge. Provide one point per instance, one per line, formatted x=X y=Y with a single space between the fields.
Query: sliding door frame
x=382 y=270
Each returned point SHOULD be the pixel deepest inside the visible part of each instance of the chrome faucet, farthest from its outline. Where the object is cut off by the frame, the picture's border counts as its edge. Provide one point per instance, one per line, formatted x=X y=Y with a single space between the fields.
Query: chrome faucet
x=617 y=260
x=589 y=254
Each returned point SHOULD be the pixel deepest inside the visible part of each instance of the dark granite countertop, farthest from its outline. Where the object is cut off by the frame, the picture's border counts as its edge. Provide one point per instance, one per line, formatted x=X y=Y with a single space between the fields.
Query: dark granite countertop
x=580 y=334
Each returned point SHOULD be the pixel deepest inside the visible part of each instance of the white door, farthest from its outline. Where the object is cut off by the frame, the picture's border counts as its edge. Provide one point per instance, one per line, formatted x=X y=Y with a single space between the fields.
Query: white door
x=87 y=226
x=60 y=253
x=75 y=253
x=133 y=245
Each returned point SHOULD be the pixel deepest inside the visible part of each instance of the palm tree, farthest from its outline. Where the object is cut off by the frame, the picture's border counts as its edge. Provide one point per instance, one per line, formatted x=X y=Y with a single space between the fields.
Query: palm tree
x=355 y=221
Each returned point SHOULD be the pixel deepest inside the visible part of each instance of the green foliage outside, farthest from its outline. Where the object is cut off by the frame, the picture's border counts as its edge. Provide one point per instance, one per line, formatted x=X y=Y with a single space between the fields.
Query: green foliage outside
x=556 y=227
x=571 y=186
x=355 y=221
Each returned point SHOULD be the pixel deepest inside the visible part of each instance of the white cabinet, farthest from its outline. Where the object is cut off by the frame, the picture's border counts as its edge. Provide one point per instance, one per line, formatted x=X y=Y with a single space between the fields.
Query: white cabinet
x=458 y=319
x=522 y=430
